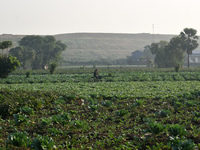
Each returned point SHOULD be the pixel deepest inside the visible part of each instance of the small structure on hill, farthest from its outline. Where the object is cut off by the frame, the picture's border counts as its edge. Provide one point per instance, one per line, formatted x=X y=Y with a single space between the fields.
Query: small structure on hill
x=194 y=59
x=137 y=58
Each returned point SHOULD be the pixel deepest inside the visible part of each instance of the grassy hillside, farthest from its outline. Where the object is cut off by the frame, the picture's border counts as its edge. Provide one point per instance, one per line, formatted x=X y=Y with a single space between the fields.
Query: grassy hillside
x=96 y=46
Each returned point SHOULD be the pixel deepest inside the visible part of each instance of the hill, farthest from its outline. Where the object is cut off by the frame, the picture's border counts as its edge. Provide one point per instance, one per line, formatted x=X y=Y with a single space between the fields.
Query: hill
x=97 y=46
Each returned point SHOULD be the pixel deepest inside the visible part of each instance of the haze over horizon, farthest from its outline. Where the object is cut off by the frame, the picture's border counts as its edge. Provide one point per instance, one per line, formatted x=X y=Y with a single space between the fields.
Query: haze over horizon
x=45 y=17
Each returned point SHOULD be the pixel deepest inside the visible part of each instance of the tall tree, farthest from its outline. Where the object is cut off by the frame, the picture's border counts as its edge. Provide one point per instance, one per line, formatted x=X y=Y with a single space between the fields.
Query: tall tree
x=168 y=54
x=158 y=49
x=175 y=51
x=189 y=41
x=5 y=45
x=24 y=55
x=45 y=49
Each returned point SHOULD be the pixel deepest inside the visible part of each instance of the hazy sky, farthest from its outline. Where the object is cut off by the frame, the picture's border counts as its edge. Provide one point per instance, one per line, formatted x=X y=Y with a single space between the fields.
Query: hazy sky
x=50 y=17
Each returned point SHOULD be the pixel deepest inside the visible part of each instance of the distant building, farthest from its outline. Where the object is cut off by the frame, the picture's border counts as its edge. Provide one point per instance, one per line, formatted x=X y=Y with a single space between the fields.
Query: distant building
x=137 y=58
x=194 y=59
x=137 y=55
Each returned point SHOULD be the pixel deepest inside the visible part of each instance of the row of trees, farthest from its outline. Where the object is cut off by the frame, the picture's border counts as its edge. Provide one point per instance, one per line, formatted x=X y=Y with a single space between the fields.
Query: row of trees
x=35 y=52
x=171 y=54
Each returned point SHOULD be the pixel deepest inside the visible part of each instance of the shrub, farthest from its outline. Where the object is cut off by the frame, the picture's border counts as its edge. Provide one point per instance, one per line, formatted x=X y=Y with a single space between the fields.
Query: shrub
x=7 y=65
x=28 y=73
x=53 y=67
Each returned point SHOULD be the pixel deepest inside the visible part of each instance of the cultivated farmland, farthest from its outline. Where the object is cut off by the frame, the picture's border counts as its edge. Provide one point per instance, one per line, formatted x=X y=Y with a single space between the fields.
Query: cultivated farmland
x=126 y=109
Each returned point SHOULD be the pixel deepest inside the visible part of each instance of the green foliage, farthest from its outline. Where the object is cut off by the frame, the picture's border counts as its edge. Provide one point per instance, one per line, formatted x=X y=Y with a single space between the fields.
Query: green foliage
x=54 y=132
x=10 y=106
x=114 y=123
x=177 y=67
x=155 y=127
x=189 y=40
x=138 y=103
x=45 y=122
x=164 y=113
x=172 y=54
x=197 y=114
x=122 y=112
x=7 y=65
x=93 y=107
x=177 y=130
x=28 y=73
x=52 y=67
x=63 y=118
x=18 y=139
x=27 y=110
x=78 y=124
x=107 y=103
x=20 y=118
x=5 y=45
x=38 y=51
x=43 y=142
x=181 y=144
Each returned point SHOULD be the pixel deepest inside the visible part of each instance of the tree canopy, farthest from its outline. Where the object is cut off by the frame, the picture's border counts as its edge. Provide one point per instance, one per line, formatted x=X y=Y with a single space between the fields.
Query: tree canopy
x=171 y=54
x=38 y=51
x=7 y=65
x=189 y=40
x=5 y=45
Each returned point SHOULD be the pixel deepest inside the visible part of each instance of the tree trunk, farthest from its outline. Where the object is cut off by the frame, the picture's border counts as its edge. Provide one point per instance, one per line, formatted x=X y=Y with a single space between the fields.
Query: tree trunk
x=188 y=61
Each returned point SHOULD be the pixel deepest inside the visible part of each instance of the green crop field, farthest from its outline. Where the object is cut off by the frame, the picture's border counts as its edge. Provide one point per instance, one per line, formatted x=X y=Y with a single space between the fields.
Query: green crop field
x=136 y=109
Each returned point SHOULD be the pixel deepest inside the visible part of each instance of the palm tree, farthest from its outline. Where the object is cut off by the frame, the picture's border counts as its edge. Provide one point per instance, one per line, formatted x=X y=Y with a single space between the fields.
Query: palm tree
x=189 y=41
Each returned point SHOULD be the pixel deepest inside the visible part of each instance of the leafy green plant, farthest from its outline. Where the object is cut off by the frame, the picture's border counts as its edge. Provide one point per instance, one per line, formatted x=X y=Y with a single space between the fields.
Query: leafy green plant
x=190 y=103
x=20 y=118
x=196 y=113
x=177 y=130
x=93 y=107
x=107 y=103
x=18 y=139
x=45 y=122
x=43 y=142
x=122 y=112
x=54 y=132
x=27 y=110
x=63 y=118
x=155 y=127
x=181 y=144
x=58 y=109
x=164 y=113
x=78 y=124
x=138 y=103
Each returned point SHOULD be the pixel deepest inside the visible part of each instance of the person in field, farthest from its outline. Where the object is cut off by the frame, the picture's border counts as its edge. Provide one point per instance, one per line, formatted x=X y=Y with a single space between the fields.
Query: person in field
x=96 y=75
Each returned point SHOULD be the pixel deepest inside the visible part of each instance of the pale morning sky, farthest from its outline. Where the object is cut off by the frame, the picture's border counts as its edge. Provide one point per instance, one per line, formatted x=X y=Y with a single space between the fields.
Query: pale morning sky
x=50 y=17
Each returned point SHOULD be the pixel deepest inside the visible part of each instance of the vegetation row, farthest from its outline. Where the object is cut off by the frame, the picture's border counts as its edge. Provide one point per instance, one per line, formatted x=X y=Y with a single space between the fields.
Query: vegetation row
x=115 y=115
